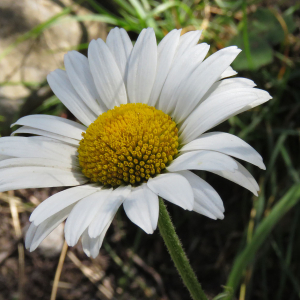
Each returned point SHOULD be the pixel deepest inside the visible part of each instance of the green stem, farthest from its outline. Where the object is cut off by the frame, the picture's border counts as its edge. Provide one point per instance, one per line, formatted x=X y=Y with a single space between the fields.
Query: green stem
x=178 y=256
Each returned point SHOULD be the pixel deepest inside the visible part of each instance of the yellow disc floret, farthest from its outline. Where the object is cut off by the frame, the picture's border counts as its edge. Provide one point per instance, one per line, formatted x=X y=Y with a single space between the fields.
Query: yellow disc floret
x=128 y=144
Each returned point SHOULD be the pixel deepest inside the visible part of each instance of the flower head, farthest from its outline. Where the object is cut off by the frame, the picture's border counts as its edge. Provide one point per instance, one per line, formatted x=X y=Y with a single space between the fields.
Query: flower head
x=144 y=112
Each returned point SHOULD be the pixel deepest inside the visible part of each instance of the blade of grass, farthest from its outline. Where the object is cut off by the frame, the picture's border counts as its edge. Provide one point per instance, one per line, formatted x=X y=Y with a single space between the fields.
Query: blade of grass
x=18 y=232
x=58 y=270
x=290 y=199
x=139 y=9
x=289 y=164
x=274 y=155
x=286 y=268
x=166 y=6
x=289 y=251
x=126 y=6
x=24 y=83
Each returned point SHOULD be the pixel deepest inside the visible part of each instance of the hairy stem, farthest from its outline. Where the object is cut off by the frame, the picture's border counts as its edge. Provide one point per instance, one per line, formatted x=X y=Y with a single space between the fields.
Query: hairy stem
x=177 y=253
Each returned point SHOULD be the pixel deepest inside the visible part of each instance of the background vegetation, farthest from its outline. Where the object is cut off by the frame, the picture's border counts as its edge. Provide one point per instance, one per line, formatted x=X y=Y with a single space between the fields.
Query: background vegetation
x=254 y=253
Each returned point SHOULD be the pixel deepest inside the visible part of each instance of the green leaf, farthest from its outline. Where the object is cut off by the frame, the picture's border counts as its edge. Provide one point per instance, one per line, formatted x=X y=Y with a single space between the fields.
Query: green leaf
x=260 y=50
x=265 y=24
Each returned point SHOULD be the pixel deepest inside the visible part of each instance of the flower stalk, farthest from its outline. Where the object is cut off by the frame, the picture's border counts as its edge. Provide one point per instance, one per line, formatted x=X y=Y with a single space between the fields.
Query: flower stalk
x=177 y=253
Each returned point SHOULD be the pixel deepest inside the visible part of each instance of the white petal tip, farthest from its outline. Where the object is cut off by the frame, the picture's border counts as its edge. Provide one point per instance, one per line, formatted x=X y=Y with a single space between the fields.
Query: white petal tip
x=87 y=253
x=70 y=241
x=263 y=166
x=32 y=248
x=221 y=217
x=92 y=234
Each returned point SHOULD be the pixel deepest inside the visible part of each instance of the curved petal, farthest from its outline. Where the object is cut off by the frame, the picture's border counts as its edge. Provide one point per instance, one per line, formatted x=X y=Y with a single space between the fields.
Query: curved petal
x=53 y=124
x=240 y=176
x=108 y=210
x=202 y=160
x=195 y=86
x=60 y=201
x=32 y=147
x=142 y=67
x=187 y=41
x=228 y=144
x=165 y=54
x=228 y=73
x=141 y=207
x=227 y=85
x=63 y=89
x=36 y=234
x=217 y=109
x=120 y=46
x=205 y=196
x=78 y=71
x=61 y=138
x=38 y=177
x=30 y=235
x=107 y=77
x=174 y=188
x=3 y=157
x=91 y=246
x=83 y=214
x=181 y=70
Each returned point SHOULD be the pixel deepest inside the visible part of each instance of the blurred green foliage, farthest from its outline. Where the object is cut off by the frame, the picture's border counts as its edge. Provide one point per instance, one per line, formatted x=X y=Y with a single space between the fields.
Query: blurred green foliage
x=265 y=262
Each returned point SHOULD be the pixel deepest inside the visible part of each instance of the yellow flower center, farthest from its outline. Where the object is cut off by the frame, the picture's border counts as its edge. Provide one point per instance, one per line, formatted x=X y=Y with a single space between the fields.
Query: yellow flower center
x=128 y=144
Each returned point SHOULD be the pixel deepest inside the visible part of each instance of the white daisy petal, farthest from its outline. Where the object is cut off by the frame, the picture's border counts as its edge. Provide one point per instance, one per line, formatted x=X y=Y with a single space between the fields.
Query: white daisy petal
x=83 y=214
x=46 y=227
x=3 y=157
x=91 y=246
x=30 y=235
x=108 y=210
x=205 y=196
x=78 y=71
x=228 y=144
x=228 y=73
x=187 y=41
x=141 y=207
x=203 y=160
x=38 y=177
x=227 y=85
x=107 y=76
x=198 y=208
x=63 y=89
x=53 y=124
x=174 y=188
x=142 y=67
x=59 y=201
x=181 y=70
x=120 y=46
x=213 y=111
x=165 y=54
x=37 y=162
x=61 y=138
x=190 y=91
x=240 y=176
x=36 y=148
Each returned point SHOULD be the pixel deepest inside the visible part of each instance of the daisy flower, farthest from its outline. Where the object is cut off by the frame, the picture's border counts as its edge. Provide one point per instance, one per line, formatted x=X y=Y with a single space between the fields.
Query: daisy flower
x=144 y=113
